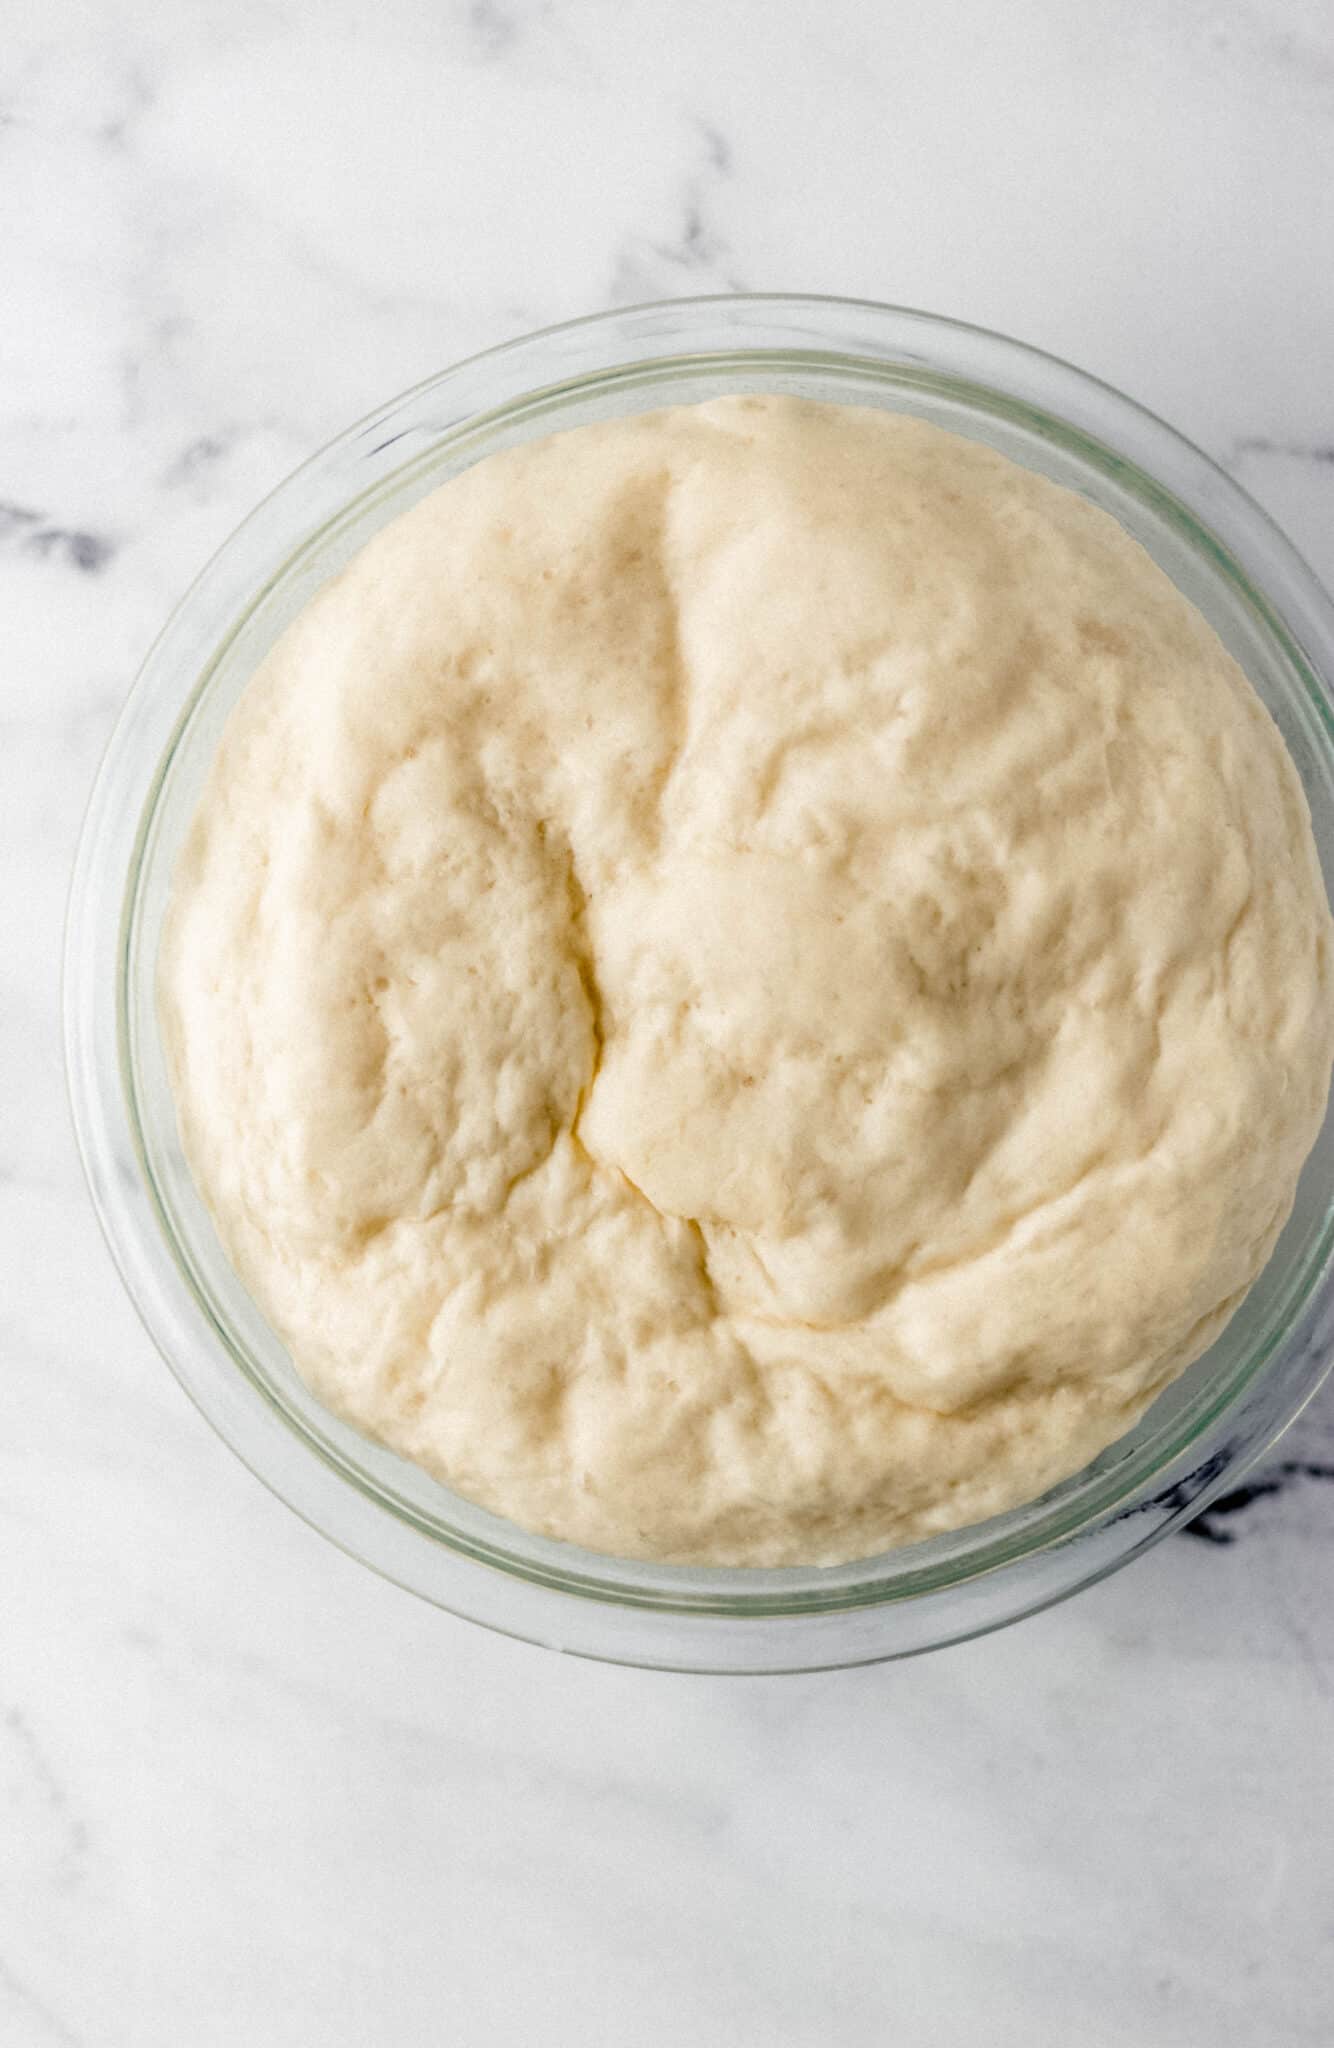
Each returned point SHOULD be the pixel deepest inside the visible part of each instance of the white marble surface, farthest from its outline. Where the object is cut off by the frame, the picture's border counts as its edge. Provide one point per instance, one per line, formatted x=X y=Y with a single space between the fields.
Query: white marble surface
x=248 y=1794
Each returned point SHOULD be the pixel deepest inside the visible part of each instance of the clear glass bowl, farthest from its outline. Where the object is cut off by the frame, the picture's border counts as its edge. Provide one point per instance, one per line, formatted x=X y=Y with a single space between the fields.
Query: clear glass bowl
x=1211 y=539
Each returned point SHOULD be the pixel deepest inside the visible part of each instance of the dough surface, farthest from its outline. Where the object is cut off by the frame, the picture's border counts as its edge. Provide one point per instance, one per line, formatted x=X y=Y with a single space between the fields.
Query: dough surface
x=748 y=984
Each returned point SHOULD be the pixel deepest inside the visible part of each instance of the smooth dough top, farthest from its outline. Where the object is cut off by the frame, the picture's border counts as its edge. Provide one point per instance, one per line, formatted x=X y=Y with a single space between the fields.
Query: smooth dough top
x=748 y=984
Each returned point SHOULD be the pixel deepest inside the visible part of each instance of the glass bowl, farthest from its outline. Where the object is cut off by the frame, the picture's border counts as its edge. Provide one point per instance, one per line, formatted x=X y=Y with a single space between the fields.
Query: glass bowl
x=1210 y=538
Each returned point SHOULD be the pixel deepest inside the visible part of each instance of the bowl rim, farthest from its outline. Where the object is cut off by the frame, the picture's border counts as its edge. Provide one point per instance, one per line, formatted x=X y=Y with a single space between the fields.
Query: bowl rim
x=102 y=1120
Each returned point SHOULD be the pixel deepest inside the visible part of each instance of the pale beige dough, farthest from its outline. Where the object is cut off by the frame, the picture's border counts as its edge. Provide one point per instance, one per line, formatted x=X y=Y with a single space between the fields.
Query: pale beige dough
x=749 y=984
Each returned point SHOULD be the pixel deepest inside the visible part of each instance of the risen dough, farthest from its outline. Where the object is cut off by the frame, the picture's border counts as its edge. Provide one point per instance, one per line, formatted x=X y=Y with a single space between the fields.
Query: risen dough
x=748 y=984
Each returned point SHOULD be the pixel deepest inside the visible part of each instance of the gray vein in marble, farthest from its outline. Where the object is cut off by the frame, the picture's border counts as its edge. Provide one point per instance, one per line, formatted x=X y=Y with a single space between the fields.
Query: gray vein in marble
x=492 y=29
x=41 y=1774
x=54 y=2028
x=507 y=34
x=1268 y=1484
x=1297 y=1625
x=1301 y=57
x=697 y=257
x=1312 y=1662
x=136 y=98
x=1251 y=445
x=718 y=148
x=35 y=535
x=162 y=333
x=22 y=1339
x=81 y=549
x=15 y=518
x=1239 y=37
x=472 y=1762
x=196 y=457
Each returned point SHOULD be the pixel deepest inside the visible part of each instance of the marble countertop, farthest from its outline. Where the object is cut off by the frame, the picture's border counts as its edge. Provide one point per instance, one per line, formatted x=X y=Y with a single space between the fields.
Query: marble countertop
x=248 y=1793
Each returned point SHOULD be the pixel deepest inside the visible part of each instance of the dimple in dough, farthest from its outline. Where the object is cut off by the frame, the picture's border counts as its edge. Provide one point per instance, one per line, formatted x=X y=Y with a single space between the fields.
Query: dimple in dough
x=748 y=984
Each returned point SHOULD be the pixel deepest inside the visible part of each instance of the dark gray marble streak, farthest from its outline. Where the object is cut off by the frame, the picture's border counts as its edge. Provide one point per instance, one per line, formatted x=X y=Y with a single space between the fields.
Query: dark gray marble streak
x=82 y=550
x=34 y=534
x=697 y=257
x=1219 y=1522
x=1296 y=1477
x=1260 y=445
